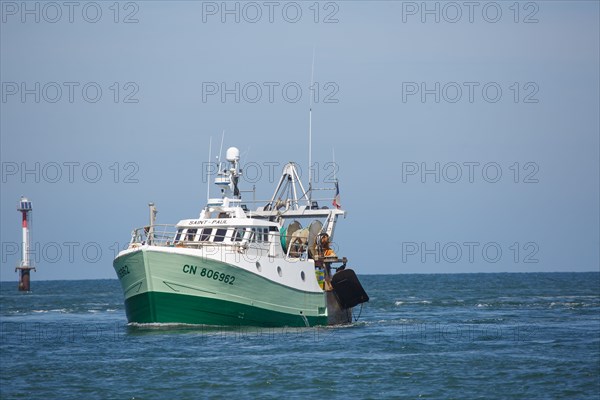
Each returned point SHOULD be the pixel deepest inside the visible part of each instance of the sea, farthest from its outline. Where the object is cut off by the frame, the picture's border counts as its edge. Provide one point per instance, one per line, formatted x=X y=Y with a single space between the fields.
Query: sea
x=446 y=336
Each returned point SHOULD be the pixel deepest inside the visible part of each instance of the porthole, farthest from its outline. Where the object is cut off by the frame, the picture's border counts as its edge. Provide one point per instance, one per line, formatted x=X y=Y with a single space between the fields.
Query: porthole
x=303 y=276
x=258 y=267
x=279 y=271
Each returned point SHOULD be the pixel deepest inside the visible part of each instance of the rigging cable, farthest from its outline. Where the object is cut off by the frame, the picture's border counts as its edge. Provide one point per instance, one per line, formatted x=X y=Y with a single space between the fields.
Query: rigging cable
x=359 y=313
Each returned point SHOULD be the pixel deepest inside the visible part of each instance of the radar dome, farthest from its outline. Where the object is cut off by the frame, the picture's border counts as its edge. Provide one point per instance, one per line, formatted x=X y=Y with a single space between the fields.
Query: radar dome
x=233 y=154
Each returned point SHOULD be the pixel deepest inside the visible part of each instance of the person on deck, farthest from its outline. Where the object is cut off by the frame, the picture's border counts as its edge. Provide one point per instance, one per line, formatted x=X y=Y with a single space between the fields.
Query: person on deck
x=325 y=247
x=326 y=252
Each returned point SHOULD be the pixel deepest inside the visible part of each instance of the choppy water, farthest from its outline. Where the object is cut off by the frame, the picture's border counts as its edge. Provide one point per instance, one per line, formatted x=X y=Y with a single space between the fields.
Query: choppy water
x=521 y=336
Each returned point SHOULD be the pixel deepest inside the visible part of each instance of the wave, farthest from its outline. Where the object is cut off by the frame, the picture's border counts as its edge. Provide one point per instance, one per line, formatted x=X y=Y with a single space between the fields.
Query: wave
x=400 y=302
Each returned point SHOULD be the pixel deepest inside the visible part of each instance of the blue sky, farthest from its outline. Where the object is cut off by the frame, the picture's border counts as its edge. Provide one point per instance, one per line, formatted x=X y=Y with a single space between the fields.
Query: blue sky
x=499 y=103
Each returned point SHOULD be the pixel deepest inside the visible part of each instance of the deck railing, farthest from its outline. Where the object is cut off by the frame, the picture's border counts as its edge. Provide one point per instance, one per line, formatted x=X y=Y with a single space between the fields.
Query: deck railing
x=165 y=235
x=157 y=235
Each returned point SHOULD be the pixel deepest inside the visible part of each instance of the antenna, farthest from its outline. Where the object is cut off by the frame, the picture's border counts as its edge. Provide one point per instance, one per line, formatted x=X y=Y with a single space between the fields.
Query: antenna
x=334 y=166
x=208 y=169
x=245 y=154
x=221 y=149
x=312 y=73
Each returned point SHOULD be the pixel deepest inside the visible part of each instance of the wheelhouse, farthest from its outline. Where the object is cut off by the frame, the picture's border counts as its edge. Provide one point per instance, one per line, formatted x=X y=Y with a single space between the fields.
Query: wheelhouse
x=232 y=233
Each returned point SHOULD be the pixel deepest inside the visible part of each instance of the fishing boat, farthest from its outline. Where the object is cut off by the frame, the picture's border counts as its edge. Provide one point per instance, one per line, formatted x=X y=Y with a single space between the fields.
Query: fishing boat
x=270 y=266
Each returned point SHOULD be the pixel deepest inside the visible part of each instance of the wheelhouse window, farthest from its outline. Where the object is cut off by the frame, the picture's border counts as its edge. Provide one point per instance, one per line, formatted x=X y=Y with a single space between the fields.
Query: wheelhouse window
x=238 y=234
x=178 y=236
x=260 y=235
x=220 y=234
x=191 y=233
x=205 y=235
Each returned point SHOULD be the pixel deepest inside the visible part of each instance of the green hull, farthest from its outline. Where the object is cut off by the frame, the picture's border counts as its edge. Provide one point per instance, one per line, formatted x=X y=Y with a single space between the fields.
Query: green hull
x=152 y=307
x=167 y=287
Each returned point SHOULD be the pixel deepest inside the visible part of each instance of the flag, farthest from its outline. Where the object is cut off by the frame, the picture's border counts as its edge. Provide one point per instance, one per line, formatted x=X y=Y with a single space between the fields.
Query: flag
x=336 y=198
